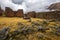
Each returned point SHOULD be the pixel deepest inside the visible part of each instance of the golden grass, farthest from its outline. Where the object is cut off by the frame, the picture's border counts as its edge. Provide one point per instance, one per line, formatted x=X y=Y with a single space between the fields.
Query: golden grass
x=12 y=21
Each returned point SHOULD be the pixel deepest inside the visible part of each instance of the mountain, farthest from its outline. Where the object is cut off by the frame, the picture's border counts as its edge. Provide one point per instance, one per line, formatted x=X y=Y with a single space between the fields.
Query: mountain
x=54 y=6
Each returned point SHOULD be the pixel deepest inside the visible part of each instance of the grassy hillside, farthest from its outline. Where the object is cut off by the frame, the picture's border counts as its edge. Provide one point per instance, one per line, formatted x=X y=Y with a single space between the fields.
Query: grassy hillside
x=37 y=29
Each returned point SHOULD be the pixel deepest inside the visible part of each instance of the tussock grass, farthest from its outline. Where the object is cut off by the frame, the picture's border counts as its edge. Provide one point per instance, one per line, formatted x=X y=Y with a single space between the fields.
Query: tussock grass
x=37 y=29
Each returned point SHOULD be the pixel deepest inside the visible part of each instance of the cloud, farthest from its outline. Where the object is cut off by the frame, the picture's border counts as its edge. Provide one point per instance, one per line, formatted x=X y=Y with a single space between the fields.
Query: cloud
x=30 y=5
x=17 y=1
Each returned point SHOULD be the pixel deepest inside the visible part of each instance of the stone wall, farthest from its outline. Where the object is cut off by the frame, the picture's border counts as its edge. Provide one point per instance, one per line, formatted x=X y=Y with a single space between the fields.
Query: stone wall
x=9 y=12
x=45 y=15
x=19 y=13
x=31 y=14
x=48 y=15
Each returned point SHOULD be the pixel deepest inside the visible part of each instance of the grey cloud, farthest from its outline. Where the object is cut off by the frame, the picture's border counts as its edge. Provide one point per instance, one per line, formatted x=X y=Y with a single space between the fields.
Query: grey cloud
x=17 y=1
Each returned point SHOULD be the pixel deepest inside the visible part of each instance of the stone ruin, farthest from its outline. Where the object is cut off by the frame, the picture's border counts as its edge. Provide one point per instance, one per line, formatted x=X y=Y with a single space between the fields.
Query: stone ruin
x=43 y=15
x=10 y=13
x=19 y=13
x=31 y=14
x=48 y=15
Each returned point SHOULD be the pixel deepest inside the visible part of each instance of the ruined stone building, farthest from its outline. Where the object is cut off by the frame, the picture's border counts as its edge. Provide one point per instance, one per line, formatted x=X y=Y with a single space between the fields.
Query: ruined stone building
x=48 y=15
x=31 y=14
x=9 y=12
x=19 y=13
x=45 y=15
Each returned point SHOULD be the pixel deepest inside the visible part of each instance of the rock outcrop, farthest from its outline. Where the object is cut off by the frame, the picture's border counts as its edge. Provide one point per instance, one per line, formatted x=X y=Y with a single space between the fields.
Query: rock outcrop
x=54 y=6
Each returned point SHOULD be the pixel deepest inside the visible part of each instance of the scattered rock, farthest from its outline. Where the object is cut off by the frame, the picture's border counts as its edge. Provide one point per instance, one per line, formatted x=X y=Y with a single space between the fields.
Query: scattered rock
x=4 y=33
x=16 y=32
x=53 y=20
x=30 y=30
x=23 y=31
x=19 y=24
x=36 y=23
x=42 y=29
x=40 y=36
x=57 y=31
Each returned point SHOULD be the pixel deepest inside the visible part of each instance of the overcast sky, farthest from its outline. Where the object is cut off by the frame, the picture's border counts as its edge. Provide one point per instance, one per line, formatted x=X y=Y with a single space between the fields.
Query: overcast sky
x=27 y=5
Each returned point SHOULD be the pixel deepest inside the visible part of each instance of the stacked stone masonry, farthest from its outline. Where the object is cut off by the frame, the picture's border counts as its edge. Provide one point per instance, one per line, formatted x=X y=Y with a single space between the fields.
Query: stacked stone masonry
x=10 y=13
